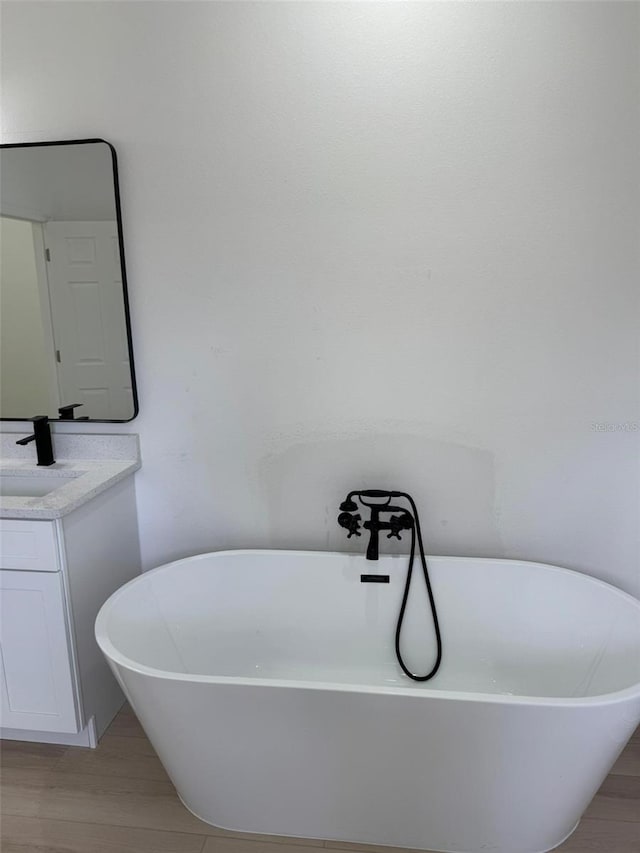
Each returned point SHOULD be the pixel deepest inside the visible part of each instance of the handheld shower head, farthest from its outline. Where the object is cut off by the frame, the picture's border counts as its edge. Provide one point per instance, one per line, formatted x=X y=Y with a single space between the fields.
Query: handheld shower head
x=348 y=504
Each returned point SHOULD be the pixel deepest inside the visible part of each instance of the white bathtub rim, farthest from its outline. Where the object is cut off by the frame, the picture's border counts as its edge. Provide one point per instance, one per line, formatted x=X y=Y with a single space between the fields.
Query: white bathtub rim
x=114 y=654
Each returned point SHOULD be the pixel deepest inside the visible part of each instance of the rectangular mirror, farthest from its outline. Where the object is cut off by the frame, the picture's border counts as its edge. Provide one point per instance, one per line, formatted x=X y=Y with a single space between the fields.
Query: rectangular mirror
x=65 y=333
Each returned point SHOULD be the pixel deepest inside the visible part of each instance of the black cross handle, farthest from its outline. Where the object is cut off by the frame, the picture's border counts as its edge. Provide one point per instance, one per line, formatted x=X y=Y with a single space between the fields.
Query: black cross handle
x=351 y=521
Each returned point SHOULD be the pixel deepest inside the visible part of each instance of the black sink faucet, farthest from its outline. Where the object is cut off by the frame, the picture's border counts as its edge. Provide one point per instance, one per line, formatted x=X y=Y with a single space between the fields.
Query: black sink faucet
x=402 y=520
x=42 y=437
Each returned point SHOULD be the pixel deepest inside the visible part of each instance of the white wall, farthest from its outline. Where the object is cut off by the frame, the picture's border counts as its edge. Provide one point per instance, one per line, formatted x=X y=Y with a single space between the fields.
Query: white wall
x=24 y=372
x=368 y=245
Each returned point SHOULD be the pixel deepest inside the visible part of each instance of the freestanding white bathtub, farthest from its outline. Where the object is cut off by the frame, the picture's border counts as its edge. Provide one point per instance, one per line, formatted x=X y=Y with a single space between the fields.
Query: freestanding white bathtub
x=267 y=682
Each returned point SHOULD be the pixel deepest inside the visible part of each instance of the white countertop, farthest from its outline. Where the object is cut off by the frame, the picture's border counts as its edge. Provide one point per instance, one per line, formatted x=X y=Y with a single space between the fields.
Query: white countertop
x=114 y=458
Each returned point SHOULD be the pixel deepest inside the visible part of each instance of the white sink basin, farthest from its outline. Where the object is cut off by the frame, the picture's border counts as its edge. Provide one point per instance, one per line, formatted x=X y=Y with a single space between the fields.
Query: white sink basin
x=85 y=466
x=30 y=486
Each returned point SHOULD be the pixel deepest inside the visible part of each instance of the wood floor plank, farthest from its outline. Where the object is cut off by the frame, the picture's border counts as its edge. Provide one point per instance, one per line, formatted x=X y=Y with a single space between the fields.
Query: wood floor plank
x=591 y=836
x=603 y=836
x=112 y=800
x=32 y=756
x=629 y=762
x=618 y=799
x=28 y=835
x=132 y=757
x=369 y=848
x=222 y=844
x=282 y=840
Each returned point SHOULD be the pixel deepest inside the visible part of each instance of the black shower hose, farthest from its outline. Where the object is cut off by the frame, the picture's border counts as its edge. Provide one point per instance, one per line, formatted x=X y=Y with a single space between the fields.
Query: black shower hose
x=415 y=529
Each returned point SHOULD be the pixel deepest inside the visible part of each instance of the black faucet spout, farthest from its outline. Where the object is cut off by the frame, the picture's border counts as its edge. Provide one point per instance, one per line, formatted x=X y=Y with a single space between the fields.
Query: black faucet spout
x=42 y=437
x=395 y=524
x=374 y=526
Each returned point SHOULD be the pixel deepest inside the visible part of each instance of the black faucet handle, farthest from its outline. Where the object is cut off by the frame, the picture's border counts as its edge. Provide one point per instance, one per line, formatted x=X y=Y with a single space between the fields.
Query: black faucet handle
x=27 y=440
x=399 y=522
x=350 y=521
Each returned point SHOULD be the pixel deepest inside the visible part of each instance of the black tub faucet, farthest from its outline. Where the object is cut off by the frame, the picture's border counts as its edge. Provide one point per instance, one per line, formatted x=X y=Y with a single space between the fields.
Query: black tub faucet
x=348 y=518
x=42 y=437
x=380 y=502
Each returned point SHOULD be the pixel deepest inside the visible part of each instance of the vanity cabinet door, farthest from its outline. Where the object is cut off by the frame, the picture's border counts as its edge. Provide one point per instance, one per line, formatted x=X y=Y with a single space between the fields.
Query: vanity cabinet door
x=37 y=684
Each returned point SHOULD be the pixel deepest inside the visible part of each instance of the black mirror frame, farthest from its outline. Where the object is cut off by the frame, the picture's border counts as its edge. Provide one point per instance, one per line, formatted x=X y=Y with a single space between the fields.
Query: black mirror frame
x=125 y=290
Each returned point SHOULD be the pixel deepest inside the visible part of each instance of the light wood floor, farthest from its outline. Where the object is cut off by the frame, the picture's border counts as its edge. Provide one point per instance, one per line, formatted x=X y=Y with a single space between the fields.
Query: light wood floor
x=118 y=799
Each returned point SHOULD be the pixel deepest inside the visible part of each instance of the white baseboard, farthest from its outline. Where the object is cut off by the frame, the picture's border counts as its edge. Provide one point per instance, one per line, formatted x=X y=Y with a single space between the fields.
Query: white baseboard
x=87 y=737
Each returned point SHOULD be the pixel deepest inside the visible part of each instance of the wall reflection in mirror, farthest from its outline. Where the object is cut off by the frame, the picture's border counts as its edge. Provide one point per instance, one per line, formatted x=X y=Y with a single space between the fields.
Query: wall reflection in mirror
x=64 y=320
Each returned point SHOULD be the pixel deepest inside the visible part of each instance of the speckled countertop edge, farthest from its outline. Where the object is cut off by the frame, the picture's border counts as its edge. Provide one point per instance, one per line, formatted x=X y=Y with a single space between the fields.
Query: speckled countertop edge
x=84 y=478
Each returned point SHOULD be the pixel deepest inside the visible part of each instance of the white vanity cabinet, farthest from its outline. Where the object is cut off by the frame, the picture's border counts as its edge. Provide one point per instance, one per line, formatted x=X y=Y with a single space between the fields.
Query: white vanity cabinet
x=54 y=577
